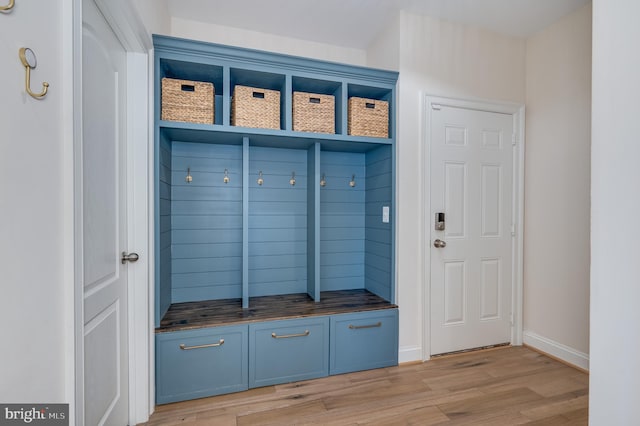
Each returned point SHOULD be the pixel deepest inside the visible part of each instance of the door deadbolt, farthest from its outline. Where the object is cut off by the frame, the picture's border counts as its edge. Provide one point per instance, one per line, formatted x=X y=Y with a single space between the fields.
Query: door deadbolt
x=439 y=222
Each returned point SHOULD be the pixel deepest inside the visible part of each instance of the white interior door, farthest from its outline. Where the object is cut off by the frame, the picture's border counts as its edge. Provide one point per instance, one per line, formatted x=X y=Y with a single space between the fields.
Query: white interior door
x=471 y=165
x=104 y=222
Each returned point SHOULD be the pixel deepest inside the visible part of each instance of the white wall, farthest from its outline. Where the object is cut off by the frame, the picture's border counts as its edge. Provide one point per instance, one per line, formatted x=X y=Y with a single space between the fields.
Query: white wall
x=273 y=43
x=384 y=50
x=615 y=208
x=36 y=305
x=557 y=190
x=155 y=15
x=444 y=59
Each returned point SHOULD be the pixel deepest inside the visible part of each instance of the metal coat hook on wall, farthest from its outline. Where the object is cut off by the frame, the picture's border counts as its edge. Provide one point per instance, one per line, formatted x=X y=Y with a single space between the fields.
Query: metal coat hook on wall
x=8 y=7
x=29 y=61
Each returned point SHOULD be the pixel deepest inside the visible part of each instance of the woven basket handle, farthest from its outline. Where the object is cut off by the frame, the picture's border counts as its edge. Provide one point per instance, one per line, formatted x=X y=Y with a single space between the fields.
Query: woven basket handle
x=259 y=95
x=188 y=88
x=370 y=105
x=314 y=100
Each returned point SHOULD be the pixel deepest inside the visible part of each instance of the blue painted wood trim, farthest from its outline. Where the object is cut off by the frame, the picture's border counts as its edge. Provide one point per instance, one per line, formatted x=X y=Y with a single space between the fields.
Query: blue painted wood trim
x=392 y=209
x=226 y=99
x=344 y=109
x=162 y=274
x=156 y=196
x=245 y=222
x=200 y=49
x=288 y=104
x=208 y=133
x=313 y=222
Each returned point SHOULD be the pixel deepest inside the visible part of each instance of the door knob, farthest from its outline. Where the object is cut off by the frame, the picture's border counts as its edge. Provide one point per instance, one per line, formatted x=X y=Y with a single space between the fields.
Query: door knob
x=438 y=243
x=129 y=257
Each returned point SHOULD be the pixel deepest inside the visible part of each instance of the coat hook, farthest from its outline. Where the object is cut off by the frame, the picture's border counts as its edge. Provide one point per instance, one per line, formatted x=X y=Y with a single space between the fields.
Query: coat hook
x=323 y=181
x=226 y=176
x=292 y=181
x=28 y=59
x=188 y=178
x=8 y=7
x=260 y=180
x=352 y=182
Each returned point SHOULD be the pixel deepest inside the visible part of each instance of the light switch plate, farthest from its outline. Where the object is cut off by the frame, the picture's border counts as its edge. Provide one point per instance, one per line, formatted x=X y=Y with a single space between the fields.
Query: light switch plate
x=385 y=214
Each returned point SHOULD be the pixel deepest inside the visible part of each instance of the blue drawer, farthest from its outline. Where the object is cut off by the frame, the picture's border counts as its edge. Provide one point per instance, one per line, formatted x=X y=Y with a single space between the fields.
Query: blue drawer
x=287 y=351
x=198 y=363
x=363 y=341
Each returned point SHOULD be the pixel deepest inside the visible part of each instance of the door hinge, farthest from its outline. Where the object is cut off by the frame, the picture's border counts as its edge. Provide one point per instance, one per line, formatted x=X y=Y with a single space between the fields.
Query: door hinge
x=513 y=229
x=437 y=107
x=514 y=139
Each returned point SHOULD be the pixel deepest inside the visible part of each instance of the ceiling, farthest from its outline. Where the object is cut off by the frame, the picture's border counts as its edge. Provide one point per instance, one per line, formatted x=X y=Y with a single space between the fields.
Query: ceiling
x=355 y=23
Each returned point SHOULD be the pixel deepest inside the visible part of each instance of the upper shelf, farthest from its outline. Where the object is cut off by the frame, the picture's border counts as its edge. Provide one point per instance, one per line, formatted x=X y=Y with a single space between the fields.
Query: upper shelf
x=232 y=135
x=226 y=66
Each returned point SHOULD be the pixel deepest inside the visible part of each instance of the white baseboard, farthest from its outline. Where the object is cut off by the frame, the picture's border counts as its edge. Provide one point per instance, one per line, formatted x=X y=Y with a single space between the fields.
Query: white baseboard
x=558 y=350
x=409 y=354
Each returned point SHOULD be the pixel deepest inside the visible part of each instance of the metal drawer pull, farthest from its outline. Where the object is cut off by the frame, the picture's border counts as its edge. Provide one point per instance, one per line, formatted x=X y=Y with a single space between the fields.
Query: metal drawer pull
x=287 y=336
x=210 y=345
x=357 y=327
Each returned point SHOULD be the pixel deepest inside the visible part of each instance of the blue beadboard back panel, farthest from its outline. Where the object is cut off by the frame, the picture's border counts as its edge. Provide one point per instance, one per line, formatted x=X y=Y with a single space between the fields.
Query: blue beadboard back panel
x=342 y=221
x=378 y=236
x=164 y=227
x=206 y=222
x=277 y=221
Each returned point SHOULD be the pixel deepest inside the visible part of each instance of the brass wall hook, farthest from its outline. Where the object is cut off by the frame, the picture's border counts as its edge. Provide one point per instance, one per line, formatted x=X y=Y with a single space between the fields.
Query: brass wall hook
x=29 y=61
x=352 y=182
x=8 y=7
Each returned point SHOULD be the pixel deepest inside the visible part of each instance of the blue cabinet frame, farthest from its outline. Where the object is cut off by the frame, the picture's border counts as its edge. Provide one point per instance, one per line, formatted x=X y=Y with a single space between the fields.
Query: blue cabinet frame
x=224 y=236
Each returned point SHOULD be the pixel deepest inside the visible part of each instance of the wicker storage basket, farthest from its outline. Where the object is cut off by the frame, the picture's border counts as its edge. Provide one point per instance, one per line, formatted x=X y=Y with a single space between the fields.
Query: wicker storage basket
x=185 y=100
x=253 y=107
x=368 y=117
x=314 y=113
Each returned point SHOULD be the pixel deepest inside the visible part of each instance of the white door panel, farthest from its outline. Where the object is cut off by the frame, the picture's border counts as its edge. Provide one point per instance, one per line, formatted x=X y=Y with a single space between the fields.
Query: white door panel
x=471 y=163
x=104 y=222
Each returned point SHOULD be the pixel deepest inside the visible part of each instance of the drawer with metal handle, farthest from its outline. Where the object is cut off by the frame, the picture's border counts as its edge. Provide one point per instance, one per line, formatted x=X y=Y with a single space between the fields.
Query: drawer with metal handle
x=196 y=363
x=288 y=350
x=364 y=340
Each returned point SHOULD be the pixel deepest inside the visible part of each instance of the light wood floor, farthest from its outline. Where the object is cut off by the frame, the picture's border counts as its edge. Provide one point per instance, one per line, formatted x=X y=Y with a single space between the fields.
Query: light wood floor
x=506 y=386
